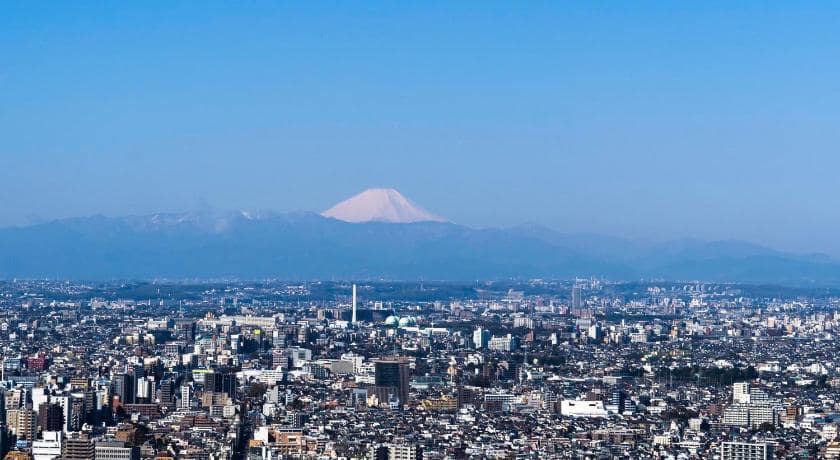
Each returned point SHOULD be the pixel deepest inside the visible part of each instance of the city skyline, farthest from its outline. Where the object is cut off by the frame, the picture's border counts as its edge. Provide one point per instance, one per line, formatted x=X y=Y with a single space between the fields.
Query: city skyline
x=419 y=230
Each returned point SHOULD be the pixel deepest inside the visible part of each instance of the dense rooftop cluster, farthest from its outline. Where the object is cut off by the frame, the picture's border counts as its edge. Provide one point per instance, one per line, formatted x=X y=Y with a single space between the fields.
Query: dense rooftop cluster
x=273 y=370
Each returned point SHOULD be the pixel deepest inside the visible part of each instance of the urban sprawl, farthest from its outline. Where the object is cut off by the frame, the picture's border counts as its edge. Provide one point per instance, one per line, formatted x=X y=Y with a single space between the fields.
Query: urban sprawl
x=588 y=369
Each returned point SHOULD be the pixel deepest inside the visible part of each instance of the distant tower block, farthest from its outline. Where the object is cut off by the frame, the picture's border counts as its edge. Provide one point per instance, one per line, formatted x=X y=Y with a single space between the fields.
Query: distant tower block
x=353 y=320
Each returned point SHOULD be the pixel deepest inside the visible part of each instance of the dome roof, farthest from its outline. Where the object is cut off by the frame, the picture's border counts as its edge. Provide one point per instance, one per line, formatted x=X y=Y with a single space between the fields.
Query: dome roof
x=391 y=320
x=407 y=321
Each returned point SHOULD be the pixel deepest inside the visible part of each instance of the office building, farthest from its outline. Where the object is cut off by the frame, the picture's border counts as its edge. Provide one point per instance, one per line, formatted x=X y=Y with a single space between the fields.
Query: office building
x=504 y=343
x=50 y=417
x=49 y=447
x=392 y=374
x=481 y=337
x=77 y=447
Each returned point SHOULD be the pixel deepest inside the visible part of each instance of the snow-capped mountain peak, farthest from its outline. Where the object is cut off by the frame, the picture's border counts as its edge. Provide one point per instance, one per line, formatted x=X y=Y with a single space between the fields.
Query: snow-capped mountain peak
x=380 y=205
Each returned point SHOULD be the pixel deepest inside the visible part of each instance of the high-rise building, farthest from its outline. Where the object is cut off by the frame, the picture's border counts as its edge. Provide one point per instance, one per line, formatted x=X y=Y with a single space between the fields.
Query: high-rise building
x=4 y=434
x=50 y=417
x=481 y=337
x=221 y=381
x=166 y=393
x=467 y=396
x=576 y=301
x=122 y=385
x=78 y=412
x=392 y=374
x=14 y=398
x=186 y=397
x=66 y=404
x=746 y=451
x=23 y=423
x=145 y=388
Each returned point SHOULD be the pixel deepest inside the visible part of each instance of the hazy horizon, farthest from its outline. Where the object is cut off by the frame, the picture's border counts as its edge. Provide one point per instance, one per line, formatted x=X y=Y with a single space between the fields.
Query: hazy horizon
x=653 y=122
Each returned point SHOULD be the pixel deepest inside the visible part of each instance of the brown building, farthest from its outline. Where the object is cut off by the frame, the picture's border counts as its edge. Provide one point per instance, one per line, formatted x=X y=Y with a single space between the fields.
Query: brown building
x=23 y=423
x=50 y=417
x=17 y=455
x=77 y=447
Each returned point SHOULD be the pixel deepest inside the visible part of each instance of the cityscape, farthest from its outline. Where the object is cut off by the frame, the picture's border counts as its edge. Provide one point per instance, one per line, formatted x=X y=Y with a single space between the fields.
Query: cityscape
x=395 y=370
x=401 y=230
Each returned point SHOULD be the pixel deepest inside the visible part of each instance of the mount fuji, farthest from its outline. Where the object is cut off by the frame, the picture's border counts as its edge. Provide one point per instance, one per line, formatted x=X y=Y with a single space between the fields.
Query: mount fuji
x=380 y=205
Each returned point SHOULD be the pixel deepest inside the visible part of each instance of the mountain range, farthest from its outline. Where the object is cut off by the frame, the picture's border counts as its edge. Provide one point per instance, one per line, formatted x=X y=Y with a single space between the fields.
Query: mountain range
x=386 y=237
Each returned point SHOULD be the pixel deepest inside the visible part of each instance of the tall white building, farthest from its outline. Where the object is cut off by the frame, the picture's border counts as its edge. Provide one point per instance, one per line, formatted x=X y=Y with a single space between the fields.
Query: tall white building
x=145 y=386
x=741 y=392
x=353 y=318
x=186 y=397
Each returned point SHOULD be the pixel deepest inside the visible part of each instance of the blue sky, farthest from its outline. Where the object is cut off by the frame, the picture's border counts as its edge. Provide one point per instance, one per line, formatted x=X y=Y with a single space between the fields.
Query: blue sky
x=643 y=119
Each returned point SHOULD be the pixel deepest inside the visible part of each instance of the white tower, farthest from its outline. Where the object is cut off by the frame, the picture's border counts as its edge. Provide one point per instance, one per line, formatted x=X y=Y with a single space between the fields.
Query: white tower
x=353 y=320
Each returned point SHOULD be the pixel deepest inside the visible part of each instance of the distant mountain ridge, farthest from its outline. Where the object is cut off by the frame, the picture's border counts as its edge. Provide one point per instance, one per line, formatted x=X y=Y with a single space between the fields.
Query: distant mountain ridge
x=304 y=245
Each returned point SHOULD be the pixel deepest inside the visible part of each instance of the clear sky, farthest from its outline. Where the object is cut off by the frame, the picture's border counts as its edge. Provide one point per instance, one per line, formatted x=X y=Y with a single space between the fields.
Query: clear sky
x=648 y=120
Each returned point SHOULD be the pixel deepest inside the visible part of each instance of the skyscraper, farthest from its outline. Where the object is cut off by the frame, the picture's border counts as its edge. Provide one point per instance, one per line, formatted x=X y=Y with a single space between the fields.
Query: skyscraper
x=576 y=302
x=122 y=385
x=221 y=381
x=50 y=417
x=186 y=397
x=391 y=375
x=166 y=393
x=481 y=337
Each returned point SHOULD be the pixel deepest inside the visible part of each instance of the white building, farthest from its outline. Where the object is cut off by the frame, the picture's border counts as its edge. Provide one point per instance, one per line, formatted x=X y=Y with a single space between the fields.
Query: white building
x=578 y=408
x=186 y=397
x=504 y=343
x=48 y=448
x=116 y=451
x=746 y=451
x=741 y=392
